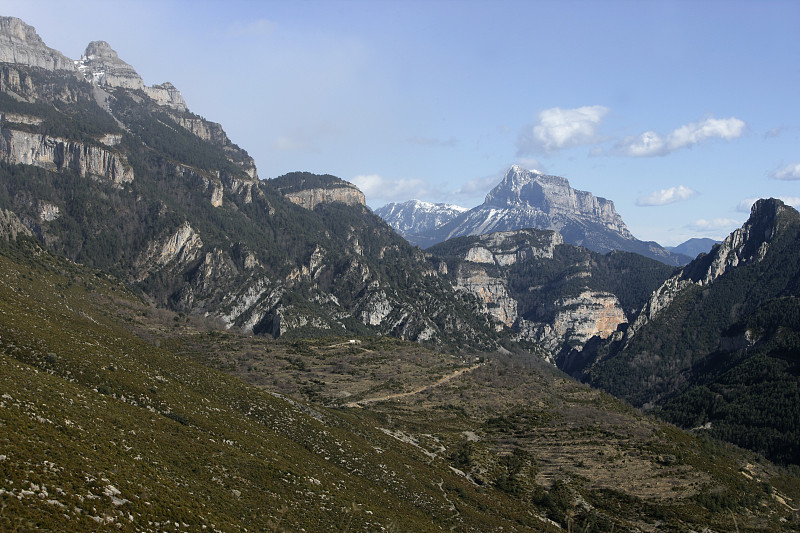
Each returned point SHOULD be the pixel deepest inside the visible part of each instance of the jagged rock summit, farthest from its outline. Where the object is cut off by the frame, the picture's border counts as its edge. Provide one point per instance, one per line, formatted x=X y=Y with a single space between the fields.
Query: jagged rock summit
x=550 y=201
x=531 y=199
x=747 y=245
x=100 y=64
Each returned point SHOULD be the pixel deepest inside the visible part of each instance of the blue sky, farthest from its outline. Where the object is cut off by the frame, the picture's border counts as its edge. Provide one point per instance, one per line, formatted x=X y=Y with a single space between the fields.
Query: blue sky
x=681 y=113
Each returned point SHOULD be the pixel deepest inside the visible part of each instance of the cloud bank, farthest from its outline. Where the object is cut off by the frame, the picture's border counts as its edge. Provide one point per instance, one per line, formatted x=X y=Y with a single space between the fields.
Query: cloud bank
x=666 y=196
x=790 y=172
x=558 y=129
x=715 y=224
x=377 y=187
x=650 y=143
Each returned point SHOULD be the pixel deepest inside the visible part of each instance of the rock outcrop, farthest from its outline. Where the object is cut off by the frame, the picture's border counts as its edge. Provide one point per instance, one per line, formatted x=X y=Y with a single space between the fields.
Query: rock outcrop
x=491 y=291
x=506 y=248
x=167 y=95
x=20 y=44
x=746 y=245
x=311 y=198
x=572 y=321
x=52 y=153
x=101 y=64
x=11 y=226
x=182 y=246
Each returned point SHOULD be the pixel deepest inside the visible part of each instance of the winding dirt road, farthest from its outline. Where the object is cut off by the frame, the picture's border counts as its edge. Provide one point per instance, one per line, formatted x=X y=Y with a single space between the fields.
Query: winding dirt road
x=445 y=379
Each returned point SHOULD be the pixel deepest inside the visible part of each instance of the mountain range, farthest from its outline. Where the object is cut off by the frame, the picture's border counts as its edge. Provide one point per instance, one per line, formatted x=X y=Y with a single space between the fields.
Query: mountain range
x=529 y=199
x=186 y=345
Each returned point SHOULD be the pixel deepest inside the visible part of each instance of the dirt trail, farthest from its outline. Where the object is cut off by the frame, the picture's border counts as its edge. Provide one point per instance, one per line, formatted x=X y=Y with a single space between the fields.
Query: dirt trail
x=445 y=379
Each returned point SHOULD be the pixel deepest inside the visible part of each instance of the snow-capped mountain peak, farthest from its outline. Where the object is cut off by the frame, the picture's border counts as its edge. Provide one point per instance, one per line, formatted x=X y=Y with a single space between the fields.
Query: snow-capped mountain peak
x=417 y=216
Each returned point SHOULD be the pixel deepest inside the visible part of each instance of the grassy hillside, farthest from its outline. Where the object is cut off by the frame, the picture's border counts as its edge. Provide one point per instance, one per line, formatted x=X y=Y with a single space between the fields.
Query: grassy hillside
x=110 y=421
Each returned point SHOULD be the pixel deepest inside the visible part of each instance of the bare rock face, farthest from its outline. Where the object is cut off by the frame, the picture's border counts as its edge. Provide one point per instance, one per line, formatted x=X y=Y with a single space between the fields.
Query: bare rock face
x=491 y=291
x=310 y=198
x=52 y=153
x=506 y=248
x=586 y=315
x=166 y=95
x=551 y=199
x=11 y=226
x=48 y=212
x=746 y=245
x=101 y=64
x=182 y=246
x=213 y=133
x=20 y=44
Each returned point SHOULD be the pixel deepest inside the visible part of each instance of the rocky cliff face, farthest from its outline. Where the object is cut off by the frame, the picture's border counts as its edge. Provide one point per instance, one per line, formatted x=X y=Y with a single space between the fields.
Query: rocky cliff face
x=562 y=323
x=21 y=147
x=551 y=202
x=311 y=198
x=101 y=64
x=491 y=292
x=506 y=248
x=746 y=245
x=11 y=226
x=182 y=247
x=20 y=44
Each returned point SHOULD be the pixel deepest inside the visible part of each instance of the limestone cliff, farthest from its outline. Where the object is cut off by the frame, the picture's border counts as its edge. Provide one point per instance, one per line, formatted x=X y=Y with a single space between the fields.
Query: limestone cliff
x=52 y=153
x=213 y=133
x=491 y=292
x=11 y=226
x=182 y=246
x=506 y=248
x=563 y=314
x=574 y=320
x=20 y=44
x=311 y=198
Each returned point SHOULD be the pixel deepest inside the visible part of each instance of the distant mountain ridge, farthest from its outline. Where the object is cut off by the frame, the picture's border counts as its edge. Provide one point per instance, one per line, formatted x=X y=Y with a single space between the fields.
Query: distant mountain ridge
x=693 y=247
x=531 y=199
x=415 y=216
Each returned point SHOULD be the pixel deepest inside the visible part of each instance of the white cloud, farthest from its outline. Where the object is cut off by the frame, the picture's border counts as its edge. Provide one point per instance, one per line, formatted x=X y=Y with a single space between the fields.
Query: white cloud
x=667 y=196
x=793 y=201
x=746 y=204
x=376 y=187
x=650 y=143
x=790 y=172
x=559 y=128
x=643 y=145
x=715 y=224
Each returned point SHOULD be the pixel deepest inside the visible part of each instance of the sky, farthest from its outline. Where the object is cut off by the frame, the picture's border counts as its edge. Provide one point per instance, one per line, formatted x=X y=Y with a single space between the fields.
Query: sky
x=681 y=113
